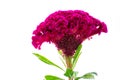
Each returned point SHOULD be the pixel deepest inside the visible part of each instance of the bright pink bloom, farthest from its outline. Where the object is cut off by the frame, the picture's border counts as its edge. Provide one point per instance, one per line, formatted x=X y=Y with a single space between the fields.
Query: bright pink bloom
x=67 y=30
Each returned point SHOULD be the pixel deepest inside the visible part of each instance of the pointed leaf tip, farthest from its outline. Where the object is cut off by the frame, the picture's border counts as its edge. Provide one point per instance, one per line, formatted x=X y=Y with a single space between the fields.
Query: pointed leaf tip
x=90 y=75
x=76 y=55
x=51 y=77
x=46 y=60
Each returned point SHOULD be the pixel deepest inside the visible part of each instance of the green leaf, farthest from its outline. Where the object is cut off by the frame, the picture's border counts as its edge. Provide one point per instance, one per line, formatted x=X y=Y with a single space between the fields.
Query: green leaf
x=62 y=57
x=77 y=78
x=75 y=74
x=47 y=61
x=62 y=60
x=51 y=77
x=90 y=75
x=76 y=56
x=69 y=73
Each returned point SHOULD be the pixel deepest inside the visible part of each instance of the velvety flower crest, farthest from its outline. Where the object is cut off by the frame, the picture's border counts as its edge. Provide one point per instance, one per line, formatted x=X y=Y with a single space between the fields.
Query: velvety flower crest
x=67 y=30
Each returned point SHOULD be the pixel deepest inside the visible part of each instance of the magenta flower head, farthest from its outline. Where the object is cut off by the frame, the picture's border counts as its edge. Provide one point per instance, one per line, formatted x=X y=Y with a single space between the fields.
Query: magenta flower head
x=67 y=30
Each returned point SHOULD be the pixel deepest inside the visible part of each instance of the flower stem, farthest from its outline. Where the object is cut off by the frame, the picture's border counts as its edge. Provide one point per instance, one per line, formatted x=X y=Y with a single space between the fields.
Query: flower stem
x=69 y=63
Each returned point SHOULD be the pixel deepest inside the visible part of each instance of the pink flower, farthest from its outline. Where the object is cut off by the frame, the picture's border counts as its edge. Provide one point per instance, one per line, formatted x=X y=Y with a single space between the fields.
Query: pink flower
x=67 y=30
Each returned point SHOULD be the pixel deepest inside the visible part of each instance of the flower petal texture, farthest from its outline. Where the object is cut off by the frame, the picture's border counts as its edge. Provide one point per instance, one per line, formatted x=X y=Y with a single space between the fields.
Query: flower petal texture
x=67 y=30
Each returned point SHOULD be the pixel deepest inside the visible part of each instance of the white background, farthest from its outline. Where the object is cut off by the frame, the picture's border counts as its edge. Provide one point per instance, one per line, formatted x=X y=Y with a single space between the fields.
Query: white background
x=18 y=18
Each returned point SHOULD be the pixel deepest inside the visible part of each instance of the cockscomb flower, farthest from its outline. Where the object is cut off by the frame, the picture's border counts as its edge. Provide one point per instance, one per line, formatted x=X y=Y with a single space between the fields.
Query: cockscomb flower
x=67 y=30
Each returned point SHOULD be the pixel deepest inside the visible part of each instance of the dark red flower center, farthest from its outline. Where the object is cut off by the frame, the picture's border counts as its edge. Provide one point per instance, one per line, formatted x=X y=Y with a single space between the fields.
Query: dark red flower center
x=68 y=44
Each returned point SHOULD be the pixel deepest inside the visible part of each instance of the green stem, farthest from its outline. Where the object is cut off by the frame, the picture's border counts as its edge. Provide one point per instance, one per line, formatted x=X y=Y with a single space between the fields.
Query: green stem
x=69 y=63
